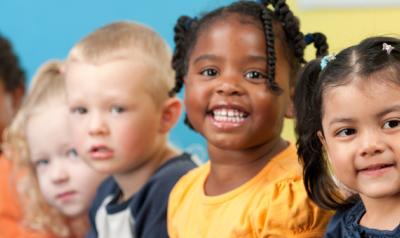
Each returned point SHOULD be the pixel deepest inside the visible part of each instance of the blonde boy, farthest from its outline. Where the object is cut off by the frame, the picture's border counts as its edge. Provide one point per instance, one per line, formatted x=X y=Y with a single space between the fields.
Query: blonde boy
x=118 y=83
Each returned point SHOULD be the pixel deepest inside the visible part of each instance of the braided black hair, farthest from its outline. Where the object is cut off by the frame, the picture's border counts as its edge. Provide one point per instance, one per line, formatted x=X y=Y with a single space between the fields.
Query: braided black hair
x=11 y=73
x=187 y=30
x=359 y=61
x=320 y=43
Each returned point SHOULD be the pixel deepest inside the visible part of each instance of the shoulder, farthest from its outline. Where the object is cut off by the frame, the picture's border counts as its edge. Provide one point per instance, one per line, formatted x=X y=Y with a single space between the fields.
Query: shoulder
x=161 y=183
x=176 y=167
x=170 y=172
x=192 y=179
x=288 y=206
x=108 y=187
x=344 y=222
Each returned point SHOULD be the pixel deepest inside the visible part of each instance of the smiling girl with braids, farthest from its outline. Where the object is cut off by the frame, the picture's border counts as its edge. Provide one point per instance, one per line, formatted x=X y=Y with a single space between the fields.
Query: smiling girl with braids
x=238 y=65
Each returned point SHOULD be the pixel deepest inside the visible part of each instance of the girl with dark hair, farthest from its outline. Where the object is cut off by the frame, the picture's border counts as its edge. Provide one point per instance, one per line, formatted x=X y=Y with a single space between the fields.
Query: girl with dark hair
x=238 y=65
x=348 y=124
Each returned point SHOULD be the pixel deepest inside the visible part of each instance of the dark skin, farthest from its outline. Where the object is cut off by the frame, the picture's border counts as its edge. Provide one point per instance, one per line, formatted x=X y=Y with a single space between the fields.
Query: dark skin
x=228 y=76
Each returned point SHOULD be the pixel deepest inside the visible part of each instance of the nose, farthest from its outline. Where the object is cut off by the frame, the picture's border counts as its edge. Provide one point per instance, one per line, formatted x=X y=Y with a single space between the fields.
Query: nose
x=97 y=125
x=58 y=173
x=372 y=144
x=229 y=85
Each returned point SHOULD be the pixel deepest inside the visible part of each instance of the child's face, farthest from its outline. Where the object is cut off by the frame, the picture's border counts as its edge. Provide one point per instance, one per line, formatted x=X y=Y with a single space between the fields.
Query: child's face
x=115 y=121
x=226 y=96
x=361 y=124
x=66 y=182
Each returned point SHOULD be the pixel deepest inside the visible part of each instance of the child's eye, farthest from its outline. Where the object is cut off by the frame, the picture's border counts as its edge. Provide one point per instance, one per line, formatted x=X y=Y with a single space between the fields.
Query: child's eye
x=72 y=153
x=346 y=132
x=41 y=163
x=78 y=110
x=391 y=124
x=117 y=109
x=255 y=76
x=209 y=72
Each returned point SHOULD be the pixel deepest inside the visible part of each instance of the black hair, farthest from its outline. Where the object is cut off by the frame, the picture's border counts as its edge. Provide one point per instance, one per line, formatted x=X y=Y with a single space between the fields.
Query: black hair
x=361 y=61
x=187 y=30
x=11 y=72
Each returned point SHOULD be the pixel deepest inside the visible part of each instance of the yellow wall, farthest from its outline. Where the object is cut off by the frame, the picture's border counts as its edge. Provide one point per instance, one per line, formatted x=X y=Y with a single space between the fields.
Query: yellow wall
x=344 y=27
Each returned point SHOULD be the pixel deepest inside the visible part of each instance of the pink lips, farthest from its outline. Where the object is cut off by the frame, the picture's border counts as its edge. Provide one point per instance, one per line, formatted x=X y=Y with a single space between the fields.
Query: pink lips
x=376 y=169
x=65 y=196
x=101 y=152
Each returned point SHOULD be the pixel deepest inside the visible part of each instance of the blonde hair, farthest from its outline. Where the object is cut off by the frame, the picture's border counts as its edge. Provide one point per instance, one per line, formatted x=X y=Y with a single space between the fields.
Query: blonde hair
x=130 y=40
x=48 y=86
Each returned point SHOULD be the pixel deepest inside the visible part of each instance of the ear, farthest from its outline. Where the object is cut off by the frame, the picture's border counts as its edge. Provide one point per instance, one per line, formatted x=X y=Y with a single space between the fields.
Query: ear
x=290 y=107
x=171 y=111
x=17 y=96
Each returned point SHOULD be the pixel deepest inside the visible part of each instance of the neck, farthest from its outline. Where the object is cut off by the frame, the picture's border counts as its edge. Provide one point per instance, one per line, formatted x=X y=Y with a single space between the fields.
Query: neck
x=79 y=226
x=243 y=164
x=382 y=213
x=131 y=181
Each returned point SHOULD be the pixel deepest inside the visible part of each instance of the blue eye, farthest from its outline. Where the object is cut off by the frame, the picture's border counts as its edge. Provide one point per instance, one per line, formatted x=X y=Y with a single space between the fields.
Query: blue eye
x=40 y=163
x=209 y=72
x=117 y=109
x=78 y=110
x=72 y=153
x=391 y=124
x=346 y=132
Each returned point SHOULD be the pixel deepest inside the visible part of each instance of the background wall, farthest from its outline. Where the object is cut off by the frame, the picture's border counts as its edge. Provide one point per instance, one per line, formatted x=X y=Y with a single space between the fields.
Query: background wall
x=44 y=29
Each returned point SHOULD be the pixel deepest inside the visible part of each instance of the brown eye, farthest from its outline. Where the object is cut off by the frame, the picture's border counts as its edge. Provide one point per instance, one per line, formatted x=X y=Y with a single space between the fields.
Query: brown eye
x=391 y=124
x=209 y=72
x=255 y=76
x=346 y=132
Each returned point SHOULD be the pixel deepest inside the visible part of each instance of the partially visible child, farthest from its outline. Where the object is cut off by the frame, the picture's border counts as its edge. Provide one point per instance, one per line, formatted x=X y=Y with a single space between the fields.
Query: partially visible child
x=12 y=88
x=56 y=186
x=12 y=83
x=238 y=64
x=348 y=124
x=118 y=81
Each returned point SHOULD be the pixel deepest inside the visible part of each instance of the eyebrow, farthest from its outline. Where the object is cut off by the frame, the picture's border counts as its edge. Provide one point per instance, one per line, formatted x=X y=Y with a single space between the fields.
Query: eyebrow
x=388 y=110
x=205 y=57
x=377 y=115
x=341 y=120
x=251 y=58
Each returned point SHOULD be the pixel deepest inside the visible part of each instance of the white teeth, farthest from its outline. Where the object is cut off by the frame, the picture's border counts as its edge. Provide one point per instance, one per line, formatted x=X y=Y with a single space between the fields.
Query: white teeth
x=228 y=115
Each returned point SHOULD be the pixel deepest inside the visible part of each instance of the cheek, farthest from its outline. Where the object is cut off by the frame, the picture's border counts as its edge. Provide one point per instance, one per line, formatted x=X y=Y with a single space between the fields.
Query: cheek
x=135 y=136
x=87 y=180
x=45 y=187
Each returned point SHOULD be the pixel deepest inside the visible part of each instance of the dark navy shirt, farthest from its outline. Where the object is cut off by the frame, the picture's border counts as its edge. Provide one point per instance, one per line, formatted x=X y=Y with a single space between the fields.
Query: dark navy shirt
x=346 y=224
x=143 y=215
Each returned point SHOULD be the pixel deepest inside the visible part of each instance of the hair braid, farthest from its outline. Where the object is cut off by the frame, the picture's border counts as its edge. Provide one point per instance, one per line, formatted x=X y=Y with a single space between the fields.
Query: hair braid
x=320 y=43
x=271 y=58
x=178 y=59
x=291 y=26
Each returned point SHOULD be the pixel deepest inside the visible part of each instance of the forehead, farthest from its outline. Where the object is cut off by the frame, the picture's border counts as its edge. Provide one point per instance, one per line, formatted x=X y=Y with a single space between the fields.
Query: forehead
x=124 y=77
x=353 y=95
x=48 y=123
x=231 y=30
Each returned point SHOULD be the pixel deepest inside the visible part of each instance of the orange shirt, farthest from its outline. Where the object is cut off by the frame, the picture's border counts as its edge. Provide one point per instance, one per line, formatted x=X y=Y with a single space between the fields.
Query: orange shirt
x=10 y=212
x=274 y=203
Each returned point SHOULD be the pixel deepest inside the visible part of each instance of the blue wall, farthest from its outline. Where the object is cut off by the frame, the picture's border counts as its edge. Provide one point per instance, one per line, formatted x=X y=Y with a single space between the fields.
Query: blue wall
x=46 y=29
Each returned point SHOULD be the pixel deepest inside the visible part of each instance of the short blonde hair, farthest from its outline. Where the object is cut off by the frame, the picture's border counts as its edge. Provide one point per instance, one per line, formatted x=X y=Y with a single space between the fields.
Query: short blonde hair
x=127 y=40
x=48 y=86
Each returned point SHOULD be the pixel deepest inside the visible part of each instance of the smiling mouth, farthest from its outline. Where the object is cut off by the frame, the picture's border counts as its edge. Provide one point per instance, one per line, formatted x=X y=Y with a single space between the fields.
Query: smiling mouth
x=228 y=115
x=376 y=169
